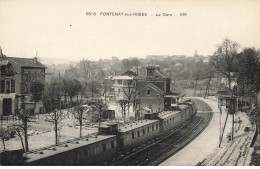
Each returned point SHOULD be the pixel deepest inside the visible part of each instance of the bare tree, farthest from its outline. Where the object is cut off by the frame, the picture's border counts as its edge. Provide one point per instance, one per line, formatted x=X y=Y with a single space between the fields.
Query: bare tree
x=78 y=113
x=56 y=117
x=122 y=104
x=26 y=117
x=128 y=92
x=52 y=98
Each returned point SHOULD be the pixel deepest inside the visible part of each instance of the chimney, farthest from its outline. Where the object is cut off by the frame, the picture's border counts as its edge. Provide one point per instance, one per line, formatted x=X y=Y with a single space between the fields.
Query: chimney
x=150 y=71
x=35 y=60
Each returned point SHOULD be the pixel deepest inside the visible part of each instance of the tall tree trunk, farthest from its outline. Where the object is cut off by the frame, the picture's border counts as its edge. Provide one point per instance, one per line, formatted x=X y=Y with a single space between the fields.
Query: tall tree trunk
x=56 y=127
x=26 y=135
x=80 y=127
x=21 y=139
x=196 y=86
x=209 y=86
x=3 y=140
x=229 y=80
x=124 y=113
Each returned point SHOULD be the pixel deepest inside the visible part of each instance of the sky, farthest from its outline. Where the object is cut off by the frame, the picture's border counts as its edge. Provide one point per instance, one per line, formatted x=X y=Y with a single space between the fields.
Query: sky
x=60 y=31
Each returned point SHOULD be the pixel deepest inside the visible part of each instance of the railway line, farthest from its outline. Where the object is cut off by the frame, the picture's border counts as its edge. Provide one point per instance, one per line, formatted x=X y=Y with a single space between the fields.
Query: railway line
x=170 y=143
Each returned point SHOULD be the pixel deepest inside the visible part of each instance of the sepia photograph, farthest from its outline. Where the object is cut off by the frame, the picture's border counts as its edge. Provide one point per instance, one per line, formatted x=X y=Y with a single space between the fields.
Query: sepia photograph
x=129 y=83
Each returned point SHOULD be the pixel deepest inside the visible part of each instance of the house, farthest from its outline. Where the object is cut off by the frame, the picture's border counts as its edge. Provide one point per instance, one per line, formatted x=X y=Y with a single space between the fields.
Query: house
x=7 y=86
x=120 y=86
x=27 y=70
x=155 y=91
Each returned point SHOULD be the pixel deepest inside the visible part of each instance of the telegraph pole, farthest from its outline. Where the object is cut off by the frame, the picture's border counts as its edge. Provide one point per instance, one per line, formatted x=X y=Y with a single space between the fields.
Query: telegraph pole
x=233 y=109
x=220 y=113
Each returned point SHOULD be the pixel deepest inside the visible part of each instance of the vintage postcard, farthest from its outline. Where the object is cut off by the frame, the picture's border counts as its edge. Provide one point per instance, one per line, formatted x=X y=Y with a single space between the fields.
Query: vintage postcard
x=130 y=83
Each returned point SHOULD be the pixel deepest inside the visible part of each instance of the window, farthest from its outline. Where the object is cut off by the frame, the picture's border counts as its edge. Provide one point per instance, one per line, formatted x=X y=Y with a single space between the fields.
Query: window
x=148 y=92
x=164 y=123
x=119 y=91
x=143 y=132
x=119 y=81
x=112 y=144
x=2 y=86
x=152 y=127
x=7 y=86
x=157 y=126
x=148 y=129
x=104 y=147
x=12 y=86
x=138 y=133
x=133 y=135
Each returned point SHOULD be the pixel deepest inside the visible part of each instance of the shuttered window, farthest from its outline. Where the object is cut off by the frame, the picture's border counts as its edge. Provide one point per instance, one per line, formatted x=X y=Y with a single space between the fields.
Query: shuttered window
x=12 y=86
x=2 y=86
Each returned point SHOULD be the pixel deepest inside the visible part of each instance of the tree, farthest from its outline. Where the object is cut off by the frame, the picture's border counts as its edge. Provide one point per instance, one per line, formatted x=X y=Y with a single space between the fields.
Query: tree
x=106 y=86
x=128 y=92
x=5 y=133
x=93 y=86
x=224 y=59
x=197 y=72
x=25 y=116
x=135 y=62
x=248 y=74
x=97 y=108
x=122 y=103
x=209 y=74
x=52 y=98
x=136 y=98
x=126 y=64
x=36 y=89
x=56 y=117
x=78 y=112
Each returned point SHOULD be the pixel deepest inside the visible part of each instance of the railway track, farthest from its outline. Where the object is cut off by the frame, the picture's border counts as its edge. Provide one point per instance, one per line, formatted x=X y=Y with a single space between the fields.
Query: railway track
x=173 y=142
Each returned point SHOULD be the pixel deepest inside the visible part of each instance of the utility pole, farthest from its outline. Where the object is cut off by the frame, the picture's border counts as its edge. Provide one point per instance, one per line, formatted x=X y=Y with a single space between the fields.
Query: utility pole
x=220 y=113
x=233 y=109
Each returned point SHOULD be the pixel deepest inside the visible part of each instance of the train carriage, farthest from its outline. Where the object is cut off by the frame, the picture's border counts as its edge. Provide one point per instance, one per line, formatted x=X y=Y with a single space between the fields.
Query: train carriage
x=92 y=150
x=134 y=134
x=168 y=120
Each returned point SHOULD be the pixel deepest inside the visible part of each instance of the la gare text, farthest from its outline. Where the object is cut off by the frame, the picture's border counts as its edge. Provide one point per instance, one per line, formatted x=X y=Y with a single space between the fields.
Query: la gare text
x=133 y=14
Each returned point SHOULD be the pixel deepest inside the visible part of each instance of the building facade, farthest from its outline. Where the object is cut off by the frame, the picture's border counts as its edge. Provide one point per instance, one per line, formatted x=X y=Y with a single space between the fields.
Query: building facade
x=155 y=91
x=28 y=70
x=7 y=87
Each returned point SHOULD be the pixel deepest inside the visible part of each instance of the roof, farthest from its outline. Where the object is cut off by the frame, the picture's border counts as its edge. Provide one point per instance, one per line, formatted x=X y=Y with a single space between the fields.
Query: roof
x=159 y=73
x=166 y=114
x=128 y=127
x=8 y=67
x=183 y=106
x=26 y=62
x=223 y=94
x=63 y=147
x=129 y=73
x=122 y=78
x=154 y=87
